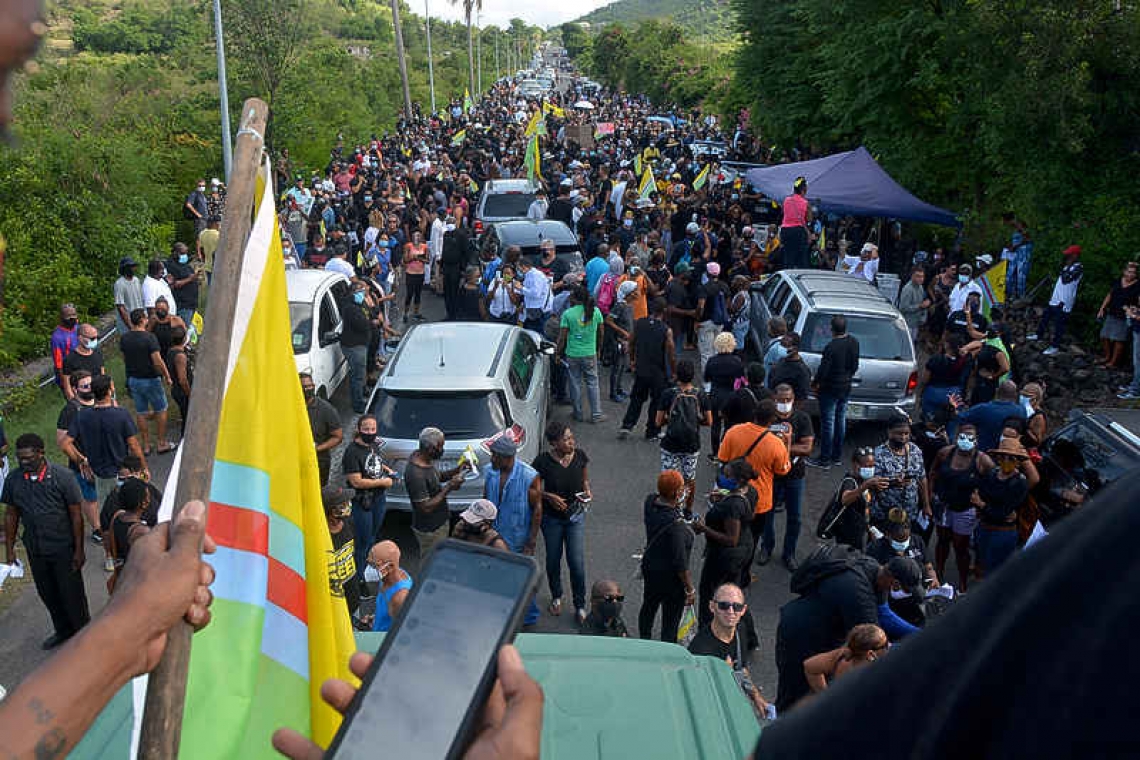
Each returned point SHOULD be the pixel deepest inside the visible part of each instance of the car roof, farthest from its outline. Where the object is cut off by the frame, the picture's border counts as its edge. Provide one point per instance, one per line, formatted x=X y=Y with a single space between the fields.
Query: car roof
x=303 y=284
x=835 y=291
x=450 y=356
x=529 y=232
x=494 y=186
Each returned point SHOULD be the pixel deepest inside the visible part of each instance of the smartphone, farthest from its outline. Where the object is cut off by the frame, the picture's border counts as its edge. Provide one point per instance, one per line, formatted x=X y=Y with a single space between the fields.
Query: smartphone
x=422 y=696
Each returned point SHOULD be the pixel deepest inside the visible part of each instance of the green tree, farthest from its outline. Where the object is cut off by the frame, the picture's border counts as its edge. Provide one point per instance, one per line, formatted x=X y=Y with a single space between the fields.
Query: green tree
x=469 y=7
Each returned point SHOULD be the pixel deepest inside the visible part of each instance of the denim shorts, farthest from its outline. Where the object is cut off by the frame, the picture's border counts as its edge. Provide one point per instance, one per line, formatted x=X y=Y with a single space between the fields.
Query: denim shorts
x=147 y=393
x=86 y=488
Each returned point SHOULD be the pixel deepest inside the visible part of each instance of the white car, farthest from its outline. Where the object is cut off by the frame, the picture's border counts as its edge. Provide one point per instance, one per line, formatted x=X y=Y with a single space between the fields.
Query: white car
x=315 y=324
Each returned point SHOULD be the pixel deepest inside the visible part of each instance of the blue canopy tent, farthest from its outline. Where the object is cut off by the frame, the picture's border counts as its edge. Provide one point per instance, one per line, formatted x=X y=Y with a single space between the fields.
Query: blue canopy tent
x=849 y=183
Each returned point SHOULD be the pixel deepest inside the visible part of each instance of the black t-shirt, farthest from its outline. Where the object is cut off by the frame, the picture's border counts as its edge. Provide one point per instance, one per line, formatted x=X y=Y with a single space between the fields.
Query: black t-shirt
x=324 y=420
x=111 y=506
x=562 y=481
x=710 y=290
x=43 y=504
x=668 y=543
x=101 y=433
x=75 y=361
x=801 y=428
x=1054 y=700
x=916 y=549
x=1002 y=497
x=365 y=461
x=741 y=406
x=185 y=297
x=732 y=507
x=137 y=346
x=706 y=643
x=422 y=483
x=1121 y=296
x=795 y=373
x=944 y=371
x=956 y=323
x=676 y=294
x=722 y=372
x=686 y=441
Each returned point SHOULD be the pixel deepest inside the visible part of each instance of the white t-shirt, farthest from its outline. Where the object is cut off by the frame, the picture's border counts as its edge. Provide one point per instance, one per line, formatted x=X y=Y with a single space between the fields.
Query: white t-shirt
x=869 y=270
x=152 y=289
x=960 y=293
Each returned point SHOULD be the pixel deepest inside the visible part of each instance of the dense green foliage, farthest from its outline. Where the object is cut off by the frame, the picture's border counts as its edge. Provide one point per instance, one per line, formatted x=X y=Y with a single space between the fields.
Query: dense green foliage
x=121 y=117
x=655 y=58
x=701 y=19
x=980 y=105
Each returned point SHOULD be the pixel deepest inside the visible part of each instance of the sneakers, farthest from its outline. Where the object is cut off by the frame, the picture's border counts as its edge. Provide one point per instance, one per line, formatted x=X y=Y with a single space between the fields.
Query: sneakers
x=97 y=537
x=1031 y=336
x=764 y=556
x=1128 y=396
x=822 y=464
x=108 y=564
x=791 y=564
x=597 y=419
x=1051 y=351
x=623 y=433
x=580 y=616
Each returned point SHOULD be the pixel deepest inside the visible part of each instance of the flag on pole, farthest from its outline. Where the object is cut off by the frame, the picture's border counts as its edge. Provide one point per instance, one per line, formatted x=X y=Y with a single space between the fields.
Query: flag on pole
x=553 y=109
x=280 y=624
x=648 y=183
x=617 y=197
x=533 y=159
x=701 y=178
x=458 y=138
x=467 y=106
x=536 y=125
x=637 y=165
x=992 y=284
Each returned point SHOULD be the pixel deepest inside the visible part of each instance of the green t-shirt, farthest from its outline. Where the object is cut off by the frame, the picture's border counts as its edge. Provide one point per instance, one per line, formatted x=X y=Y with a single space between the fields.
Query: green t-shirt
x=582 y=339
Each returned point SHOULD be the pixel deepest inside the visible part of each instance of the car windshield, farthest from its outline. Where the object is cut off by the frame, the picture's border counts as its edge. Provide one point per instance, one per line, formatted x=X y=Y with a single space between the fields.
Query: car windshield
x=301 y=324
x=879 y=337
x=463 y=415
x=507 y=204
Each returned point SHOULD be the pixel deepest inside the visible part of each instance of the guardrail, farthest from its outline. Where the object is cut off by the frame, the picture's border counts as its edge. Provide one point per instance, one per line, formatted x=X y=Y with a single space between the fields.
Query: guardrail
x=50 y=378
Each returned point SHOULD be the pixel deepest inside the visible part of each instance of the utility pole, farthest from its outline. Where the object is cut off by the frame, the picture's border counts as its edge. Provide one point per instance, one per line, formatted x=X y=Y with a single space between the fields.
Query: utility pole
x=400 y=58
x=223 y=93
x=498 y=74
x=479 y=46
x=431 y=68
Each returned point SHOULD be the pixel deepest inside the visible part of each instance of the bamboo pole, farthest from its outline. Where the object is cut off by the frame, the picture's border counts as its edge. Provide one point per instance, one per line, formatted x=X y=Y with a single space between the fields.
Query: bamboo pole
x=166 y=689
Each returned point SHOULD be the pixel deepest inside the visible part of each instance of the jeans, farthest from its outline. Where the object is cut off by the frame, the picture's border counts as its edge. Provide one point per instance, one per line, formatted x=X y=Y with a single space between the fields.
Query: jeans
x=1056 y=314
x=584 y=367
x=558 y=381
x=1134 y=386
x=366 y=524
x=357 y=357
x=706 y=333
x=148 y=394
x=427 y=540
x=669 y=595
x=832 y=426
x=617 y=372
x=1018 y=272
x=186 y=315
x=643 y=389
x=791 y=492
x=934 y=397
x=558 y=532
x=995 y=546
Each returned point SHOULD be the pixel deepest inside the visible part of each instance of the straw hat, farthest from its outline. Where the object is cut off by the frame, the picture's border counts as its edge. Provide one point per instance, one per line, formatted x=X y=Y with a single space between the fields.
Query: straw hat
x=1010 y=447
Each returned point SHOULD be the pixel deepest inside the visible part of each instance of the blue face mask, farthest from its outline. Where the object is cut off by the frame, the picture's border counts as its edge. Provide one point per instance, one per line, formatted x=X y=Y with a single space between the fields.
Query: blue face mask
x=727 y=483
x=93 y=343
x=900 y=546
x=183 y=258
x=966 y=443
x=358 y=296
x=963 y=278
x=866 y=473
x=1024 y=400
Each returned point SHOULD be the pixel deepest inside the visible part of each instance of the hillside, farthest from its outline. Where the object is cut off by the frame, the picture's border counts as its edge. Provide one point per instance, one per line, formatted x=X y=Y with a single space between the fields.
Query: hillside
x=701 y=19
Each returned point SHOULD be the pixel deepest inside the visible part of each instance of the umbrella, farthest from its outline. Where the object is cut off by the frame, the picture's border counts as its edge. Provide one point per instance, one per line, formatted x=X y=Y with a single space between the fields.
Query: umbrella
x=584 y=104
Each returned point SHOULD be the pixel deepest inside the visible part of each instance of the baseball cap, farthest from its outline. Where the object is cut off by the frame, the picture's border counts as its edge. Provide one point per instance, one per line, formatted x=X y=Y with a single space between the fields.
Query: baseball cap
x=692 y=227
x=127 y=261
x=504 y=447
x=713 y=269
x=985 y=258
x=625 y=289
x=481 y=510
x=908 y=575
x=1072 y=250
x=333 y=495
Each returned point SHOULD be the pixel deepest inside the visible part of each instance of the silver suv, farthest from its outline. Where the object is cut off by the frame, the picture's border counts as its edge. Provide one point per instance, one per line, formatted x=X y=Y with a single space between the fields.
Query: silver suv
x=501 y=201
x=808 y=299
x=474 y=381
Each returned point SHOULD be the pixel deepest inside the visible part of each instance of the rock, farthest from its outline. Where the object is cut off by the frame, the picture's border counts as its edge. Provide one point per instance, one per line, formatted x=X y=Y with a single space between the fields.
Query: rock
x=1081 y=376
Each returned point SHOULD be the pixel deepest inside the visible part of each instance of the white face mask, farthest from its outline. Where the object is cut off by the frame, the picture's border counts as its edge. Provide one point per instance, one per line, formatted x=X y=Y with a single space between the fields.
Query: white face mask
x=866 y=473
x=784 y=408
x=899 y=594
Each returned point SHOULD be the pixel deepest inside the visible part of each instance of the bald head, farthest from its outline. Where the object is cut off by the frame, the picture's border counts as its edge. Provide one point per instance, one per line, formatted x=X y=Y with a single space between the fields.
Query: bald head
x=384 y=553
x=1007 y=391
x=604 y=588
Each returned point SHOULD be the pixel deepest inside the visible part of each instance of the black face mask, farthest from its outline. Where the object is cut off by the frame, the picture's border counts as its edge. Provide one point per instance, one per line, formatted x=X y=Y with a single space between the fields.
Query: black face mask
x=310 y=393
x=85 y=395
x=368 y=438
x=71 y=322
x=160 y=314
x=609 y=610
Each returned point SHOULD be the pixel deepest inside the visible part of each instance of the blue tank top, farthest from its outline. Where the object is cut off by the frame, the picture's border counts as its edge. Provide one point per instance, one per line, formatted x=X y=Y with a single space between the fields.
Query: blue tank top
x=383 y=621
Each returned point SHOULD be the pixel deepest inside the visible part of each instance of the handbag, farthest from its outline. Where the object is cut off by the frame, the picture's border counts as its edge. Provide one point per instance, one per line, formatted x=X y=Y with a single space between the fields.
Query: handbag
x=638 y=575
x=687 y=629
x=825 y=528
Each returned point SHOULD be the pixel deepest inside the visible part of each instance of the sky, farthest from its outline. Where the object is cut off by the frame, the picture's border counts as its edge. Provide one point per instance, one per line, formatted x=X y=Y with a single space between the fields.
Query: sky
x=499 y=12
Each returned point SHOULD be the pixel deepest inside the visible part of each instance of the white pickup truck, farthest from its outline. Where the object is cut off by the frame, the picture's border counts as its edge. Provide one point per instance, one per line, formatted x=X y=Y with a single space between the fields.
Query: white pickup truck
x=315 y=324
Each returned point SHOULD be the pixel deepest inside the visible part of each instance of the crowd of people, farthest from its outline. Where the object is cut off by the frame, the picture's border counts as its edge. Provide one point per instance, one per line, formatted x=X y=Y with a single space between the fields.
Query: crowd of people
x=663 y=298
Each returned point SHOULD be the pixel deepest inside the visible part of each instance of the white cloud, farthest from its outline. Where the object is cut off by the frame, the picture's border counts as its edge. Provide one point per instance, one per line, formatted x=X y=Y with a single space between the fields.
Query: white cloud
x=500 y=12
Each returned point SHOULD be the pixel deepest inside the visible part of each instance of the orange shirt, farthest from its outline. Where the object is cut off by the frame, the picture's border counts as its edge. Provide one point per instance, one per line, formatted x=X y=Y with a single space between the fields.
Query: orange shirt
x=769 y=458
x=640 y=301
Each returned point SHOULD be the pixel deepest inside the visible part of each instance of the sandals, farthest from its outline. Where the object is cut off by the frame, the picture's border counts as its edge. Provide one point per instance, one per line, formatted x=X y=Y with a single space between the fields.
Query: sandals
x=555 y=607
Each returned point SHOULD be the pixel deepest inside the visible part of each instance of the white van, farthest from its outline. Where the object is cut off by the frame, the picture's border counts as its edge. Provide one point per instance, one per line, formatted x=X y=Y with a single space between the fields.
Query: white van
x=315 y=324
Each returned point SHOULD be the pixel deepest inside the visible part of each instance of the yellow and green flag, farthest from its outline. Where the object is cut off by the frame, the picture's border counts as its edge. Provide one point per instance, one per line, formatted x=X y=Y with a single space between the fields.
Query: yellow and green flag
x=536 y=125
x=467 y=106
x=458 y=138
x=993 y=286
x=648 y=183
x=701 y=178
x=553 y=109
x=533 y=159
x=280 y=627
x=637 y=165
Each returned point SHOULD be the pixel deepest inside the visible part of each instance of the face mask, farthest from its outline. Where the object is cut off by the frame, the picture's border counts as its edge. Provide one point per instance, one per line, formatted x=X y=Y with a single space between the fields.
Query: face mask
x=1007 y=466
x=899 y=594
x=310 y=392
x=900 y=546
x=727 y=483
x=866 y=473
x=963 y=278
x=965 y=443
x=120 y=481
x=735 y=196
x=627 y=222
x=931 y=433
x=93 y=343
x=85 y=395
x=368 y=438
x=161 y=313
x=1025 y=400
x=71 y=322
x=609 y=610
x=183 y=258
x=358 y=296
x=784 y=408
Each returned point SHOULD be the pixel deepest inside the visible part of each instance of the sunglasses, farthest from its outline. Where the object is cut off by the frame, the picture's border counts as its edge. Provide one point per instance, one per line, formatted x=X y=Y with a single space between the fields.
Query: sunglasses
x=864 y=451
x=613 y=598
x=726 y=606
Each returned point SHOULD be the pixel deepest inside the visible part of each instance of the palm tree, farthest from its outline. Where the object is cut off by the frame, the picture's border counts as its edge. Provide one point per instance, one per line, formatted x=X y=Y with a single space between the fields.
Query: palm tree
x=401 y=59
x=470 y=6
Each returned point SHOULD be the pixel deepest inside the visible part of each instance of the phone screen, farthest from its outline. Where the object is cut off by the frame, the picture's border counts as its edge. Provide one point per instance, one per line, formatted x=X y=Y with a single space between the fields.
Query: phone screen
x=419 y=692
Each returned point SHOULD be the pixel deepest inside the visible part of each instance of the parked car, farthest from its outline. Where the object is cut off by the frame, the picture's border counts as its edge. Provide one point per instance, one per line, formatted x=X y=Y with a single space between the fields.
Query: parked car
x=808 y=299
x=474 y=381
x=1090 y=451
x=315 y=323
x=528 y=234
x=502 y=200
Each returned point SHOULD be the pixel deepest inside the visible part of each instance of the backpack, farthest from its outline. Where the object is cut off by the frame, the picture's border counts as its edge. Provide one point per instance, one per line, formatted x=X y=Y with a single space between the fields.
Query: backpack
x=607 y=293
x=684 y=422
x=824 y=562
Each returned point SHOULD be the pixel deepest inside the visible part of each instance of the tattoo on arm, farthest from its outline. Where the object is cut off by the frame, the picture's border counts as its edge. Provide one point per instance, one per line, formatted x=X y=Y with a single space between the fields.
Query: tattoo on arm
x=51 y=745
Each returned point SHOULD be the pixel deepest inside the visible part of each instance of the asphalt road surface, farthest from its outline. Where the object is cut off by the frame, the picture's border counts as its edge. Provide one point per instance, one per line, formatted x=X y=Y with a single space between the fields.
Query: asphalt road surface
x=622 y=473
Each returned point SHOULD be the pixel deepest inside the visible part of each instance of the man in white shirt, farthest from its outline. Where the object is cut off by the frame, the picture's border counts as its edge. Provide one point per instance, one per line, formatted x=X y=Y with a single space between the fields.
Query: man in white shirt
x=339 y=262
x=154 y=285
x=866 y=264
x=538 y=206
x=1063 y=299
x=966 y=285
x=537 y=295
x=435 y=242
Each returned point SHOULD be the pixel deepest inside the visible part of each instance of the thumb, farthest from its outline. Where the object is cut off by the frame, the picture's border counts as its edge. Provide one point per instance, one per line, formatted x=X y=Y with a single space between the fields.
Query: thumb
x=188 y=530
x=523 y=694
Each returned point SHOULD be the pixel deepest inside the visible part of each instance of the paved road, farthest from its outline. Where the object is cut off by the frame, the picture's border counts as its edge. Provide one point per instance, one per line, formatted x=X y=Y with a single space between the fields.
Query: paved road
x=622 y=473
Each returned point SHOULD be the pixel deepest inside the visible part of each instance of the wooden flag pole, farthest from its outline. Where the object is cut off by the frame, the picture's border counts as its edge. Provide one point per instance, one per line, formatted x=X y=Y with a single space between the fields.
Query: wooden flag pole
x=166 y=690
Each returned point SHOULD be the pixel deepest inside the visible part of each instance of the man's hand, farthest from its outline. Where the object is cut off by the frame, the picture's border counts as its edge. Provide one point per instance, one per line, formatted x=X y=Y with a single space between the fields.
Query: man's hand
x=510 y=726
x=78 y=558
x=166 y=580
x=528 y=548
x=690 y=596
x=456 y=481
